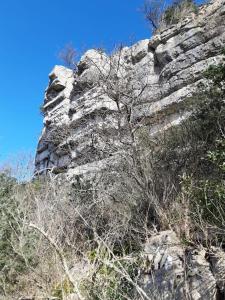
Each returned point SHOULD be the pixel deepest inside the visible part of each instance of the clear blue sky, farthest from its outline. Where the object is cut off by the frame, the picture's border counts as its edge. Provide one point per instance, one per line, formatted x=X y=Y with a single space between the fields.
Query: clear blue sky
x=32 y=33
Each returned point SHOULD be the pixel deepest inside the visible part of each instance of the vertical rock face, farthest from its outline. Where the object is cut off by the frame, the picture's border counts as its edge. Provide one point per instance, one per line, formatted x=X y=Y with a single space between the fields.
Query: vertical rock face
x=56 y=109
x=80 y=134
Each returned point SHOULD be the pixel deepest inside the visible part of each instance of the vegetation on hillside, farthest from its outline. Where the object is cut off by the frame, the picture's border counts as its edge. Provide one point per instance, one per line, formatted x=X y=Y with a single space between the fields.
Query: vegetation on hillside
x=49 y=229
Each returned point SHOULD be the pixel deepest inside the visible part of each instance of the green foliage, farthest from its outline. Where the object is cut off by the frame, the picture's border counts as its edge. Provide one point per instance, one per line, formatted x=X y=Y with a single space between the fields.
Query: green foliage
x=216 y=73
x=185 y=148
x=217 y=156
x=178 y=11
x=206 y=205
x=209 y=111
x=204 y=185
x=13 y=260
x=190 y=158
x=207 y=194
x=6 y=206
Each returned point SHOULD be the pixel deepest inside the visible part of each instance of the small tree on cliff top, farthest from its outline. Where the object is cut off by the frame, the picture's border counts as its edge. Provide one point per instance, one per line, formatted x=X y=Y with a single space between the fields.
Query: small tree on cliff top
x=68 y=55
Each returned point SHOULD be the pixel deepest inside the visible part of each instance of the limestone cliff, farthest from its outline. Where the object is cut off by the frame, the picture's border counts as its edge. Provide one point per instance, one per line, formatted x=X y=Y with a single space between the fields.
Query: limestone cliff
x=91 y=116
x=80 y=129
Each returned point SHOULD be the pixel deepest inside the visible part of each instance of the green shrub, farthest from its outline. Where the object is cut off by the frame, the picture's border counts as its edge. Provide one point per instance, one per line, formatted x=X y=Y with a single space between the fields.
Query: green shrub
x=178 y=11
x=195 y=152
x=15 y=254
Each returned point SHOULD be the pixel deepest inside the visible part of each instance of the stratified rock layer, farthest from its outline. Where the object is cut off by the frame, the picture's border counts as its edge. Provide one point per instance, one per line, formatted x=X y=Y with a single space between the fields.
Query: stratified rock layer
x=80 y=134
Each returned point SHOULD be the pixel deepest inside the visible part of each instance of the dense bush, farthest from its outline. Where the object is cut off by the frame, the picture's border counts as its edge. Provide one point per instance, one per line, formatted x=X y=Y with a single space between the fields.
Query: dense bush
x=193 y=156
x=11 y=264
x=17 y=244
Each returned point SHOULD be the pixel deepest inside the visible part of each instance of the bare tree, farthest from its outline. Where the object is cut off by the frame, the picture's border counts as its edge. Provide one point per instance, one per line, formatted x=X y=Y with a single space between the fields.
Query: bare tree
x=68 y=55
x=153 y=11
x=123 y=85
x=159 y=13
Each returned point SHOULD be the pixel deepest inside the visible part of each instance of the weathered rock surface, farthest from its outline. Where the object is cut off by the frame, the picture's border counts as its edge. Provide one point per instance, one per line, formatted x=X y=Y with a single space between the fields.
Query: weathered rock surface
x=84 y=119
x=173 y=272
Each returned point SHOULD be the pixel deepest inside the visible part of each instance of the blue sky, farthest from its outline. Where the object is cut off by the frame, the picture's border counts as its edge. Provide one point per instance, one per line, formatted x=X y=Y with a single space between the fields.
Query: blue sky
x=32 y=32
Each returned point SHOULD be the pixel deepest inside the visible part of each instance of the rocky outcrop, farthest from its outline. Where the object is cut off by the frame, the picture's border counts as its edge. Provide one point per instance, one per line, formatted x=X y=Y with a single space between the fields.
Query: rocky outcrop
x=80 y=134
x=175 y=272
x=84 y=133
